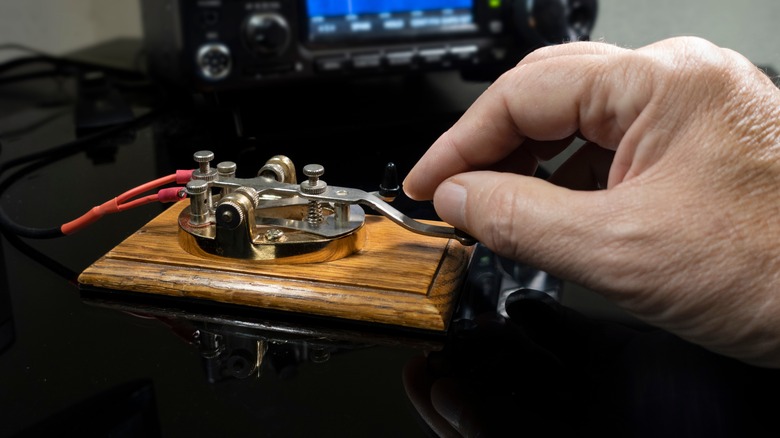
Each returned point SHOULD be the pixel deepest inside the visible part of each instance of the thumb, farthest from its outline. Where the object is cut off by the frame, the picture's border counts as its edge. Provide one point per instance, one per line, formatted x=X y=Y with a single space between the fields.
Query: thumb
x=528 y=219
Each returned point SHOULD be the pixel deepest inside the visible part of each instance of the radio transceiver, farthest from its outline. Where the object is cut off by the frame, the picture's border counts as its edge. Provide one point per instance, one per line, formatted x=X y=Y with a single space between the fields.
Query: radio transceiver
x=214 y=45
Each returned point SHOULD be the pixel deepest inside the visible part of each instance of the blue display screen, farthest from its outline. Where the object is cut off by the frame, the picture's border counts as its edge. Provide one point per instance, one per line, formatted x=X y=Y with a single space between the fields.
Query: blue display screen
x=329 y=8
x=335 y=20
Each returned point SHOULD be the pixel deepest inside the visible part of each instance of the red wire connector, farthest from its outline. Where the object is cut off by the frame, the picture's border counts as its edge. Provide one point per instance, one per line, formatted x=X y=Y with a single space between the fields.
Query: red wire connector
x=125 y=202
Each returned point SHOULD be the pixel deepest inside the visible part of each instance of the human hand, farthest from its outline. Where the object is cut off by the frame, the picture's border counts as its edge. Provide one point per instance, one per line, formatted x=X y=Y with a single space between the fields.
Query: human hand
x=686 y=235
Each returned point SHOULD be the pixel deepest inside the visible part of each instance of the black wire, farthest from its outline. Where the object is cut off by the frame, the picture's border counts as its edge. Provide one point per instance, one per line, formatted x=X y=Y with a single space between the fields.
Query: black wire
x=7 y=225
x=61 y=66
x=53 y=265
x=11 y=230
x=21 y=48
x=64 y=66
x=58 y=268
x=34 y=125
x=16 y=63
x=123 y=79
x=30 y=76
x=67 y=66
x=45 y=157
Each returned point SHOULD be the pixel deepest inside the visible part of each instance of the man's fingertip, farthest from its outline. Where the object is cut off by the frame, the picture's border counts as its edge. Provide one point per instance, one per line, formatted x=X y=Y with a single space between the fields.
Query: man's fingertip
x=450 y=202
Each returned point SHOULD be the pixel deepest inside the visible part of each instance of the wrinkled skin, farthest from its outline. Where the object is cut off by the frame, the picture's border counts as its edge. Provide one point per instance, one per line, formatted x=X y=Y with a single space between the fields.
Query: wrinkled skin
x=684 y=139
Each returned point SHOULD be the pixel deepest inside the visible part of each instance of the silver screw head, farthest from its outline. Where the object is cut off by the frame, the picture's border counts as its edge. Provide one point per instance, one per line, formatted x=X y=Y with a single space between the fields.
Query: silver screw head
x=227 y=168
x=313 y=170
x=313 y=186
x=196 y=187
x=203 y=156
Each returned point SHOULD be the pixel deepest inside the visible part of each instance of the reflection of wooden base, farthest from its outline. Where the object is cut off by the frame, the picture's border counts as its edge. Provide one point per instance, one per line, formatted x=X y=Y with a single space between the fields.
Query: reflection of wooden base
x=399 y=278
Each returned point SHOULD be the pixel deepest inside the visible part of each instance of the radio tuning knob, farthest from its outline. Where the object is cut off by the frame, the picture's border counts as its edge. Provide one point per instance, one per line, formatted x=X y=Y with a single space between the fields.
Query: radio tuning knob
x=214 y=61
x=266 y=33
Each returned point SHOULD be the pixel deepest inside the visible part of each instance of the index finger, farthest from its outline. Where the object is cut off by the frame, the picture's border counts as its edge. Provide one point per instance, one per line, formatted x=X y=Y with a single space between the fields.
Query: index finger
x=543 y=99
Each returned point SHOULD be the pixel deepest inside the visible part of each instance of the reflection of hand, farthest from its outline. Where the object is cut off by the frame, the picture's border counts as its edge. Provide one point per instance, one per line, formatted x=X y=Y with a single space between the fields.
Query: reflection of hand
x=547 y=369
x=489 y=381
x=686 y=236
x=497 y=379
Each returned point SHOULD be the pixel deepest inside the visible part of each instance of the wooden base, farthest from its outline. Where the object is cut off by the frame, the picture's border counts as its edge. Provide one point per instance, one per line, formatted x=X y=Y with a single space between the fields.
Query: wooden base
x=399 y=278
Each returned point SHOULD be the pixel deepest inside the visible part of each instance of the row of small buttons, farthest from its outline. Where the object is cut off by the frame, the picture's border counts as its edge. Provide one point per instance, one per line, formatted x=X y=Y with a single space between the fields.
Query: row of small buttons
x=432 y=56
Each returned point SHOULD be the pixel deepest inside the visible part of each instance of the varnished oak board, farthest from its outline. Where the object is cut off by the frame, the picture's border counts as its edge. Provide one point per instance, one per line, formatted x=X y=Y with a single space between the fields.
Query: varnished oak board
x=399 y=278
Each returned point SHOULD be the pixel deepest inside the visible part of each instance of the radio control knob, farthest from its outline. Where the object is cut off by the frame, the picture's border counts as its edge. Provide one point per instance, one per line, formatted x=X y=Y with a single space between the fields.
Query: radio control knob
x=214 y=61
x=266 y=34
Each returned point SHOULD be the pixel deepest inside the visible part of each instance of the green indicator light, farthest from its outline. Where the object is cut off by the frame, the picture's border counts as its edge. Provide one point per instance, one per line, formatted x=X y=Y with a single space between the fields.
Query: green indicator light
x=494 y=3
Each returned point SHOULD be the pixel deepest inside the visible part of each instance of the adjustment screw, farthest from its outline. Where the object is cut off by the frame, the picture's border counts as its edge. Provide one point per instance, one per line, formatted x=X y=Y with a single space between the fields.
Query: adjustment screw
x=196 y=187
x=313 y=186
x=226 y=169
x=203 y=158
x=313 y=171
x=204 y=171
x=198 y=191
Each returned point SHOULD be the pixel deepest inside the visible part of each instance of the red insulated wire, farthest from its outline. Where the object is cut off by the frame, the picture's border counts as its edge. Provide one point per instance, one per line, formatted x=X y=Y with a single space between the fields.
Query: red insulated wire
x=123 y=202
x=121 y=199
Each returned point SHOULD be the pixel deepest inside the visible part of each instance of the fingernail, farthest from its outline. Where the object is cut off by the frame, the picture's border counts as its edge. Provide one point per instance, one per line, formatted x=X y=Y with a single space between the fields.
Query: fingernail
x=450 y=202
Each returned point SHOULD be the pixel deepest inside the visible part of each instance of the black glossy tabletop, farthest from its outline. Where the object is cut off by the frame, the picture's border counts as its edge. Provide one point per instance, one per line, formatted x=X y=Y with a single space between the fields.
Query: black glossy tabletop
x=98 y=363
